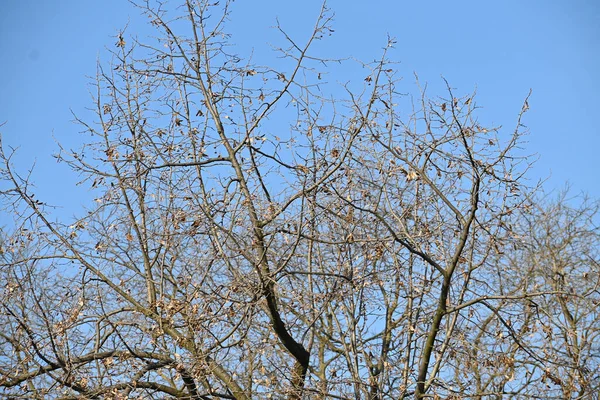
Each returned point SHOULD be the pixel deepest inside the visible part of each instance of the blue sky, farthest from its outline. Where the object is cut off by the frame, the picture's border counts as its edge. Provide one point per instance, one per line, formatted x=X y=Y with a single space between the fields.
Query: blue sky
x=500 y=48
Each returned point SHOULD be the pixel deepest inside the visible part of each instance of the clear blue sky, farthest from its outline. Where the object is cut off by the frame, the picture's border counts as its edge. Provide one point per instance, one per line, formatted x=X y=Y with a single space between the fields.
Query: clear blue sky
x=502 y=48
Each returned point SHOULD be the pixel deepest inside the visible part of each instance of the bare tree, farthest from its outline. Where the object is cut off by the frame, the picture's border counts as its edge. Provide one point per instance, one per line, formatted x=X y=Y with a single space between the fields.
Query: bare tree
x=259 y=232
x=560 y=256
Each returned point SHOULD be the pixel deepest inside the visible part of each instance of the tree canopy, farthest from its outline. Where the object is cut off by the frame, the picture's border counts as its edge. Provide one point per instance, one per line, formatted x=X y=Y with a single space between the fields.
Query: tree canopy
x=267 y=232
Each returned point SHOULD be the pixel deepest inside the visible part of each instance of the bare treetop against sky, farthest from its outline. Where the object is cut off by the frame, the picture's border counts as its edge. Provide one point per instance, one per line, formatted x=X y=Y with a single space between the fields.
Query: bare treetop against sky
x=500 y=48
x=324 y=209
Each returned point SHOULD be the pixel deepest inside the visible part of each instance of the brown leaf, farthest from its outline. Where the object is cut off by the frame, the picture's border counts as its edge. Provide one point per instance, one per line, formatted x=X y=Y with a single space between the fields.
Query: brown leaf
x=302 y=169
x=411 y=176
x=110 y=153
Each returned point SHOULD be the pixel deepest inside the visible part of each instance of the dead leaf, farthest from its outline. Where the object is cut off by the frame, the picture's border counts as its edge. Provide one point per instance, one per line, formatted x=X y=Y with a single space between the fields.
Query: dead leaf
x=411 y=176
x=110 y=153
x=303 y=169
